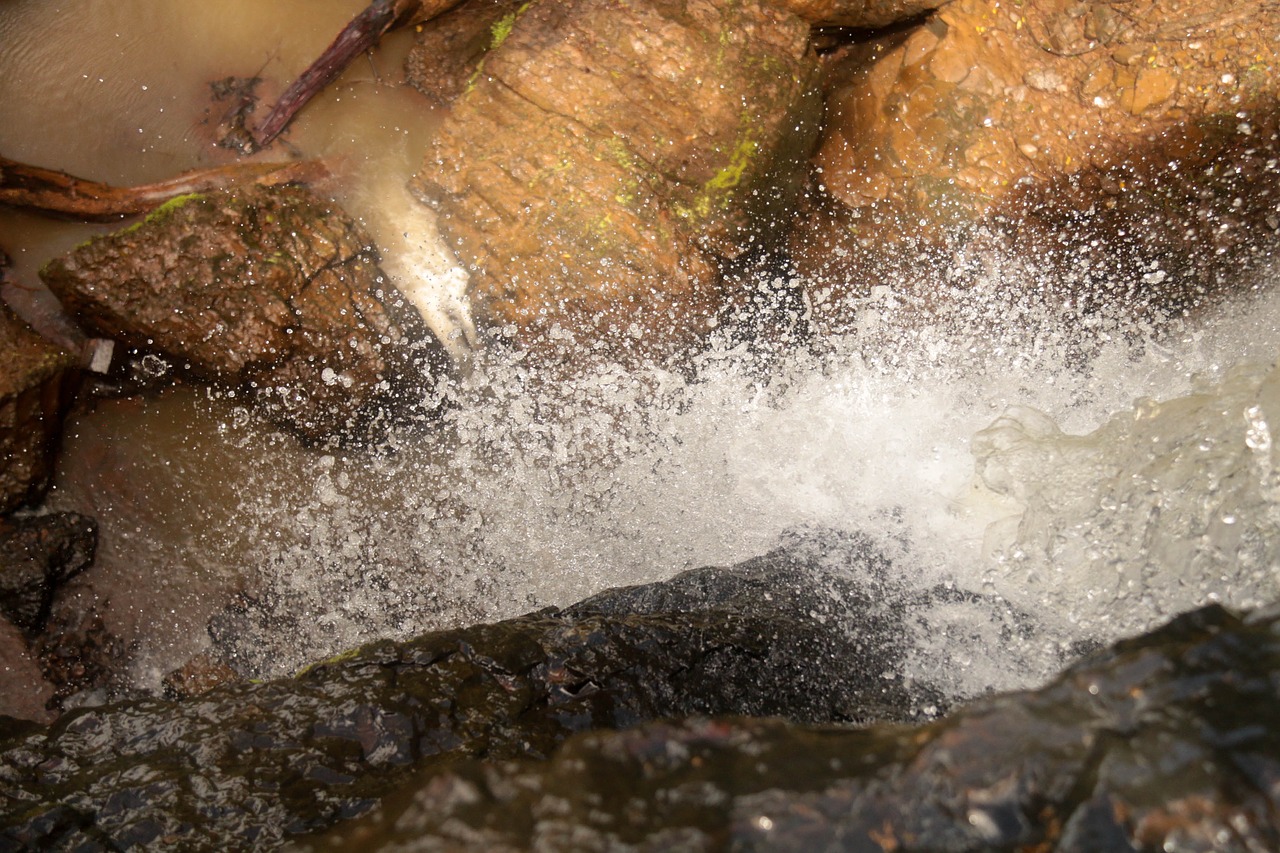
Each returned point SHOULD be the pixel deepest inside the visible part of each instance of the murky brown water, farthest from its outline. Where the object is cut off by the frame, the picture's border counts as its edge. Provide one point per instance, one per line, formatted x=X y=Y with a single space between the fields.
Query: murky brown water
x=118 y=91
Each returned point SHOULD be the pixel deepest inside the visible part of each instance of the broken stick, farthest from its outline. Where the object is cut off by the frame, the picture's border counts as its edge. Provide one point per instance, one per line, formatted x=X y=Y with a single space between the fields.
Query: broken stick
x=51 y=191
x=362 y=33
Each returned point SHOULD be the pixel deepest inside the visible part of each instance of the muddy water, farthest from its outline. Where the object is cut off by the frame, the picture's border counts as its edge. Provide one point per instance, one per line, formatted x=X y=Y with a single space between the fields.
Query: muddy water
x=119 y=91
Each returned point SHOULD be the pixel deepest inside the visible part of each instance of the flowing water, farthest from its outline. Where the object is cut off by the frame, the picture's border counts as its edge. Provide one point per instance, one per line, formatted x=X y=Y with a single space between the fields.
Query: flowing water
x=1098 y=474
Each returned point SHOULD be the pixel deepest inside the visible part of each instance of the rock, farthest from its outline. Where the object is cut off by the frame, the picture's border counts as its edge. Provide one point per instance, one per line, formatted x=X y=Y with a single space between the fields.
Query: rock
x=249 y=764
x=38 y=554
x=1164 y=742
x=270 y=292
x=24 y=692
x=986 y=113
x=607 y=155
x=449 y=48
x=81 y=658
x=198 y=675
x=863 y=14
x=36 y=386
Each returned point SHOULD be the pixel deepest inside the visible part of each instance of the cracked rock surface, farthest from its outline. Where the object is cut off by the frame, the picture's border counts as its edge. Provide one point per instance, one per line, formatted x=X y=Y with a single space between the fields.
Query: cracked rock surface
x=605 y=155
x=272 y=292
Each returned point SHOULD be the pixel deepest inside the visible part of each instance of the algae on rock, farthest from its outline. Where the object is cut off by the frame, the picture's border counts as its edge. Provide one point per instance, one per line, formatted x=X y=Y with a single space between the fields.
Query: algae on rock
x=608 y=154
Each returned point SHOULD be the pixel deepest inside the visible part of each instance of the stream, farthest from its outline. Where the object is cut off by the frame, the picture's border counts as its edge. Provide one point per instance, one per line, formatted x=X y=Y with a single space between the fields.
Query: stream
x=1098 y=474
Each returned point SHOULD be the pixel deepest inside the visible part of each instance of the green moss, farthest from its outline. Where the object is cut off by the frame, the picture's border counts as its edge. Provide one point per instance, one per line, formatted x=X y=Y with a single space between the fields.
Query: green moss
x=156 y=216
x=502 y=27
x=167 y=209
x=718 y=191
x=475 y=76
x=499 y=33
x=731 y=175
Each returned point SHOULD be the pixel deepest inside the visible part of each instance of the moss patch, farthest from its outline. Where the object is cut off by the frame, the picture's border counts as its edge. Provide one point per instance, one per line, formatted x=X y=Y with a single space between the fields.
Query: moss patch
x=502 y=27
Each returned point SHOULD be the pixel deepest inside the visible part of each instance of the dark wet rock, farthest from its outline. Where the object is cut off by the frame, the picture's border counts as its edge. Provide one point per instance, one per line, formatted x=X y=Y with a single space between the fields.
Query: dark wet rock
x=248 y=764
x=1165 y=742
x=37 y=554
x=1052 y=122
x=272 y=292
x=81 y=657
x=24 y=692
x=607 y=155
x=36 y=386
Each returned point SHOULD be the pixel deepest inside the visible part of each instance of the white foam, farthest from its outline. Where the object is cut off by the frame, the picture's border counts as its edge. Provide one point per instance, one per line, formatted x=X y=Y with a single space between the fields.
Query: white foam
x=538 y=491
x=421 y=266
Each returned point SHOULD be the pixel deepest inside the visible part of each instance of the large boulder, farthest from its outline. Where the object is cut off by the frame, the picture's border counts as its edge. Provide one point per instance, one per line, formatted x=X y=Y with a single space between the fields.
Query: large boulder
x=36 y=386
x=605 y=156
x=1152 y=123
x=270 y=292
x=1166 y=742
x=806 y=633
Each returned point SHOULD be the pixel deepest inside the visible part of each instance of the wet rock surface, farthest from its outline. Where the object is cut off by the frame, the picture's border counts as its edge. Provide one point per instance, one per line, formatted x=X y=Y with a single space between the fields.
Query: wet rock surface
x=252 y=763
x=605 y=155
x=1164 y=742
x=449 y=48
x=273 y=293
x=1053 y=122
x=36 y=387
x=37 y=554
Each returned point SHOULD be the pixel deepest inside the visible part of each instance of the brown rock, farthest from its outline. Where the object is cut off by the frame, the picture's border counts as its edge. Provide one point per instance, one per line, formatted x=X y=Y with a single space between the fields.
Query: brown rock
x=607 y=155
x=36 y=385
x=198 y=675
x=449 y=48
x=988 y=104
x=270 y=291
x=24 y=692
x=858 y=13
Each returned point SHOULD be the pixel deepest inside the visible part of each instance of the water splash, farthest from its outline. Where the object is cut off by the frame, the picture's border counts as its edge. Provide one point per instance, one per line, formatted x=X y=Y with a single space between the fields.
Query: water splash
x=947 y=442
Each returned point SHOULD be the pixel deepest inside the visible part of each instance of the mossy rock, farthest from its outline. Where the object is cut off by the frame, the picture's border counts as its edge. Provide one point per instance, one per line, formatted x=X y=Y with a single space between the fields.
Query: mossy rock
x=607 y=156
